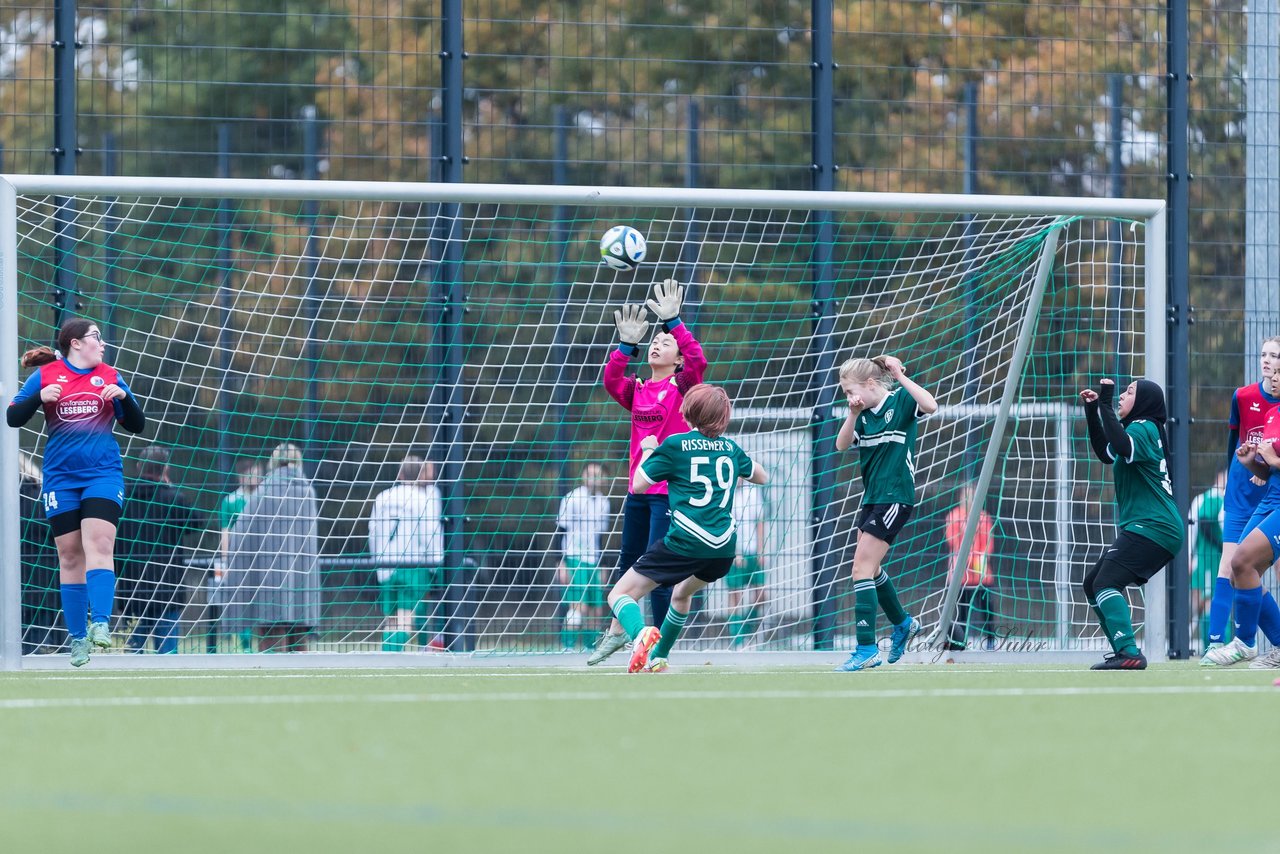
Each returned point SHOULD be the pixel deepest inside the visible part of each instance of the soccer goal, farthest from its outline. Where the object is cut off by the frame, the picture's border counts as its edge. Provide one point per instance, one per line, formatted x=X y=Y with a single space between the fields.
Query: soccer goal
x=344 y=328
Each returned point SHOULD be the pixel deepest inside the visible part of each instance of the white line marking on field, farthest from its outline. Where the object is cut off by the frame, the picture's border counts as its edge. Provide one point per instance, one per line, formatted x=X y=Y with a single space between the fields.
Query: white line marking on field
x=689 y=670
x=610 y=696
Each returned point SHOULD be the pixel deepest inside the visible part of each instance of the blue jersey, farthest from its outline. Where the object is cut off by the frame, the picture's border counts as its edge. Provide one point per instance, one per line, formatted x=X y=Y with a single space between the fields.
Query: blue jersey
x=81 y=448
x=1250 y=406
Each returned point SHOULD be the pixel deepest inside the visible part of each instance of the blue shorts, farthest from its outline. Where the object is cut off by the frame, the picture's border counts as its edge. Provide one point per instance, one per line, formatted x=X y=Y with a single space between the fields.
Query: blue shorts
x=1269 y=525
x=64 y=499
x=1234 y=525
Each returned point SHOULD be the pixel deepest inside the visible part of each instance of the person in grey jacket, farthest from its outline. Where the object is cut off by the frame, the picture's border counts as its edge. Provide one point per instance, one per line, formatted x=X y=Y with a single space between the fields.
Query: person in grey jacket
x=272 y=580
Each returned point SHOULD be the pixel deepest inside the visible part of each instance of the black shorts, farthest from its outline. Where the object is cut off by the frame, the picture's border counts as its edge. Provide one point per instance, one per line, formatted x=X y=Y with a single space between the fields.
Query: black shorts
x=663 y=566
x=90 y=508
x=1135 y=556
x=883 y=521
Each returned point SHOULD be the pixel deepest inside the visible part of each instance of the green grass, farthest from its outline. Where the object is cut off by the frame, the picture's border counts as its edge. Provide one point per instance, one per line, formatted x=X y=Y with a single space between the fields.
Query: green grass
x=908 y=758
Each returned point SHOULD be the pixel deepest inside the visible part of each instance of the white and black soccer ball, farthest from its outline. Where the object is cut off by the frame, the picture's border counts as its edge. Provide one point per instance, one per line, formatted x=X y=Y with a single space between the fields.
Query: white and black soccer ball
x=622 y=248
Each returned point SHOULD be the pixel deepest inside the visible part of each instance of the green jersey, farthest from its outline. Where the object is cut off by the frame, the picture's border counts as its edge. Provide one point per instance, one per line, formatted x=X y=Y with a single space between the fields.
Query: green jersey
x=701 y=476
x=230 y=507
x=1206 y=515
x=886 y=440
x=1144 y=494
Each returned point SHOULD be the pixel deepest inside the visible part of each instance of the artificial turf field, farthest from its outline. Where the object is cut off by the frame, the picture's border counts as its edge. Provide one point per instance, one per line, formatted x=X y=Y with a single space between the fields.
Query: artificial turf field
x=903 y=758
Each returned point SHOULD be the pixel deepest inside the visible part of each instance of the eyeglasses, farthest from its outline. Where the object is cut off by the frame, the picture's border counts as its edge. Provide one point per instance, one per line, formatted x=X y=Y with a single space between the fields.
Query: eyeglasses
x=97 y=335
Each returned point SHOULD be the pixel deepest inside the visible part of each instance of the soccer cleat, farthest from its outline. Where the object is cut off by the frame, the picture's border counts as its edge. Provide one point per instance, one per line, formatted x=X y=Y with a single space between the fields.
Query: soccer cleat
x=862 y=658
x=607 y=646
x=100 y=635
x=902 y=635
x=647 y=640
x=1204 y=659
x=1233 y=652
x=1121 y=661
x=656 y=665
x=1270 y=661
x=80 y=651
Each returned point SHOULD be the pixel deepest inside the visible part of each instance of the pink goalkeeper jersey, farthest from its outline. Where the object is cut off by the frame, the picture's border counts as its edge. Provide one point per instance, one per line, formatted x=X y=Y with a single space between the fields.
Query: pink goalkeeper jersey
x=655 y=406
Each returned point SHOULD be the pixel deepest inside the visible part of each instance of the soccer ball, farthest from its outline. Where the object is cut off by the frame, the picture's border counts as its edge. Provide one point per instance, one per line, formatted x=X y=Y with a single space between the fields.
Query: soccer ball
x=622 y=248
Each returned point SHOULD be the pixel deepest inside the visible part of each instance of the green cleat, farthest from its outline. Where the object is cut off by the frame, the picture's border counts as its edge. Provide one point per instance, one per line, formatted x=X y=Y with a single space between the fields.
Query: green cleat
x=80 y=651
x=100 y=635
x=657 y=665
x=607 y=646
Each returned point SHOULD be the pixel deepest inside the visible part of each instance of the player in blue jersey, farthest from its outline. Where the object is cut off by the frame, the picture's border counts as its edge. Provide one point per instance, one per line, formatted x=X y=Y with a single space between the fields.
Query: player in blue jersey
x=83 y=490
x=1250 y=406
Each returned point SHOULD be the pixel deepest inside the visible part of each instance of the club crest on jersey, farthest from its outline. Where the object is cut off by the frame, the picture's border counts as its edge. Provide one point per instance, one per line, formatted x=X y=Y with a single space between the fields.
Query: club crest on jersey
x=888 y=416
x=661 y=395
x=97 y=381
x=79 y=407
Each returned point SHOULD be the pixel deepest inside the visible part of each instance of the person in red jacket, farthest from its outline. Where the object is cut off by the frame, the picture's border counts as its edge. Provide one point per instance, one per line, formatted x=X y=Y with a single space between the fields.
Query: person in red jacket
x=978 y=576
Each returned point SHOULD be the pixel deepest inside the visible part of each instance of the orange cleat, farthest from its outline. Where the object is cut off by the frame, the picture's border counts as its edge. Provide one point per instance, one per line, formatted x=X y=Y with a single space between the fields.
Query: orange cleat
x=647 y=640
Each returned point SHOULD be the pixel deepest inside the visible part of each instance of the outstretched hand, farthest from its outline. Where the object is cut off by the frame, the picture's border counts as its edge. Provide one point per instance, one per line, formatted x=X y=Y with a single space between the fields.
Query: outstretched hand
x=668 y=297
x=632 y=322
x=1088 y=395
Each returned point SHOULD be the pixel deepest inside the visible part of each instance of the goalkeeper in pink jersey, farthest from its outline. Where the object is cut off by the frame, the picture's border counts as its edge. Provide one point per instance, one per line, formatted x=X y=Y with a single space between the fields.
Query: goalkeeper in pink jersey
x=677 y=364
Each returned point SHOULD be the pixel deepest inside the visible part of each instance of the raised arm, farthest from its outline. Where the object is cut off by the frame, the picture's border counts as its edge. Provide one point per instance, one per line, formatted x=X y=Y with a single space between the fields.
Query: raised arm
x=1097 y=437
x=667 y=301
x=1112 y=429
x=632 y=323
x=925 y=401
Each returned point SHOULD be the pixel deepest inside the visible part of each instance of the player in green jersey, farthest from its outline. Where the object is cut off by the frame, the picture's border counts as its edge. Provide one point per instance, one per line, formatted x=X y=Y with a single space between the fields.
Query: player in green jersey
x=882 y=424
x=1131 y=439
x=701 y=469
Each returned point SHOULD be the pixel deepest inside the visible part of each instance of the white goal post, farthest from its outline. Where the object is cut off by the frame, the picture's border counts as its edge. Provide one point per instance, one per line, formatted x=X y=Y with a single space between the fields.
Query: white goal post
x=467 y=324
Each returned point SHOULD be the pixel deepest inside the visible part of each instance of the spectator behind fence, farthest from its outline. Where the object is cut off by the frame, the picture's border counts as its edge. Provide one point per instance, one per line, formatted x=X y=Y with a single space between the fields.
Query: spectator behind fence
x=747 y=578
x=406 y=540
x=1205 y=516
x=978 y=576
x=249 y=474
x=155 y=521
x=272 y=580
x=40 y=603
x=582 y=522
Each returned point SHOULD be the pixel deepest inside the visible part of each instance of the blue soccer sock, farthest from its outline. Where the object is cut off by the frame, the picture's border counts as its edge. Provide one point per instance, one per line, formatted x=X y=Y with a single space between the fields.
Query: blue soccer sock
x=1248 y=606
x=101 y=584
x=1220 y=608
x=1269 y=618
x=75 y=609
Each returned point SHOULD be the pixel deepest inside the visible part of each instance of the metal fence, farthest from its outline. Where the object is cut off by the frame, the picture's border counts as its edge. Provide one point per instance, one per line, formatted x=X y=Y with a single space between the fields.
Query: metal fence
x=1059 y=99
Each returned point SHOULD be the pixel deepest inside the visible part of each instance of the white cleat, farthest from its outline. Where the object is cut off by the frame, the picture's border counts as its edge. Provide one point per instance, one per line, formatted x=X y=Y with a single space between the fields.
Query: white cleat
x=1205 y=661
x=1230 y=653
x=1270 y=661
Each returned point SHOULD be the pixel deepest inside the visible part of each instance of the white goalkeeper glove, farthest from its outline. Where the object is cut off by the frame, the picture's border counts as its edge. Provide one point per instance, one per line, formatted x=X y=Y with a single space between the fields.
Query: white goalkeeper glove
x=632 y=322
x=668 y=297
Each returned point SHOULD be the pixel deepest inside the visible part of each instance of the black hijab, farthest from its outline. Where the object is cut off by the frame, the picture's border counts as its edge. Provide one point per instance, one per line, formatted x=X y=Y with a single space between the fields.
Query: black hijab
x=1148 y=405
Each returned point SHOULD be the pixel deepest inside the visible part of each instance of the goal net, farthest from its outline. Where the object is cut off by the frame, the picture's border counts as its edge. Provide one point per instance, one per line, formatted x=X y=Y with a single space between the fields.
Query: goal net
x=449 y=340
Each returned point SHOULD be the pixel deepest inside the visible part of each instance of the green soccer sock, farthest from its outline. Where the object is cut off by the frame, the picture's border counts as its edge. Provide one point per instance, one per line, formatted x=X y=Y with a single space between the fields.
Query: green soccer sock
x=394 y=641
x=750 y=623
x=1118 y=621
x=864 y=612
x=1102 y=621
x=671 y=628
x=738 y=624
x=629 y=615
x=888 y=597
